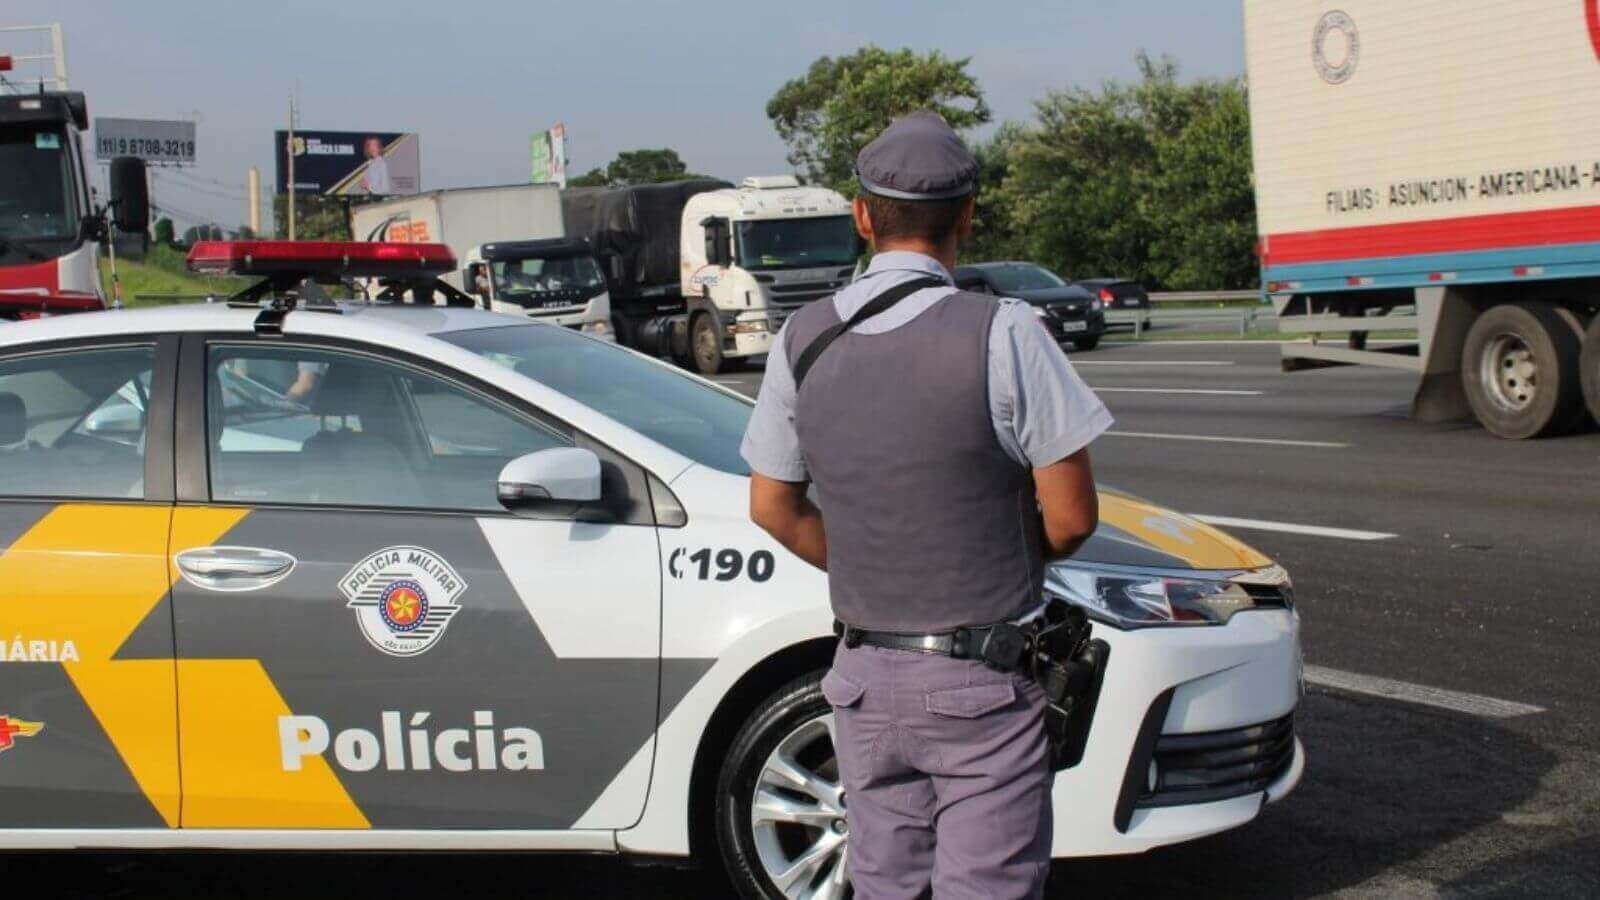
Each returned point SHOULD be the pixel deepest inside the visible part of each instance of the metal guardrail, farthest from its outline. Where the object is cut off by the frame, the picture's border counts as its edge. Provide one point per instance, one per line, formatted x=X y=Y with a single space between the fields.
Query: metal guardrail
x=1243 y=317
x=1160 y=297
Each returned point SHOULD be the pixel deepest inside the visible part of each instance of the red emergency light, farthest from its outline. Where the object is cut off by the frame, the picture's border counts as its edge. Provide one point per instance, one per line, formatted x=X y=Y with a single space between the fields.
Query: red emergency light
x=5 y=63
x=358 y=259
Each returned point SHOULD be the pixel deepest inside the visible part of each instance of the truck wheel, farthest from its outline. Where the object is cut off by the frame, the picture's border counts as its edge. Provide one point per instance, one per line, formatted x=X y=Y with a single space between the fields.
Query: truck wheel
x=1519 y=369
x=705 y=344
x=780 y=808
x=1590 y=363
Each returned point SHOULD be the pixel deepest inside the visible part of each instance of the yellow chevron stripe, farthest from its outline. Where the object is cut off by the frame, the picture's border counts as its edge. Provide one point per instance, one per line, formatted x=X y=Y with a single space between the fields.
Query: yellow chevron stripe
x=232 y=769
x=91 y=574
x=1196 y=543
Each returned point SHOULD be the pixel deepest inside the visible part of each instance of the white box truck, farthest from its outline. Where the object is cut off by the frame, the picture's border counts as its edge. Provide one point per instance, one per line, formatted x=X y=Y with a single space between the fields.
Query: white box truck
x=1435 y=166
x=511 y=246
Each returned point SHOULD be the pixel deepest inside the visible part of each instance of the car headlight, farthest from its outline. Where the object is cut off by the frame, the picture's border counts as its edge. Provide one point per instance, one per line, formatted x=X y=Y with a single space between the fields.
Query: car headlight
x=1041 y=312
x=1142 y=598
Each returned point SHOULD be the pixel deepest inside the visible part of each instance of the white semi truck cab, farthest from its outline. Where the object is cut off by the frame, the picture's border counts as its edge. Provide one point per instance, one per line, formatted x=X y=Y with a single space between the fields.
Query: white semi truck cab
x=556 y=280
x=751 y=255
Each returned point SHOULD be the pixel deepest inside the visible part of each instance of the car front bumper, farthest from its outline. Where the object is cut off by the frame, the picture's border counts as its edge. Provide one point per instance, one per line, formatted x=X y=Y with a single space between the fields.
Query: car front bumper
x=1066 y=326
x=1217 y=699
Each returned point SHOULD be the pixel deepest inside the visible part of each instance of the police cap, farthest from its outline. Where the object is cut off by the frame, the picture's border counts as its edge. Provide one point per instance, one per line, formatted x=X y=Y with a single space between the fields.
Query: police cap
x=918 y=157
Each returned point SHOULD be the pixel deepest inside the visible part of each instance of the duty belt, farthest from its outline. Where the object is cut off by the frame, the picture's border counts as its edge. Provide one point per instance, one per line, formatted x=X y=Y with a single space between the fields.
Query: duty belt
x=1001 y=645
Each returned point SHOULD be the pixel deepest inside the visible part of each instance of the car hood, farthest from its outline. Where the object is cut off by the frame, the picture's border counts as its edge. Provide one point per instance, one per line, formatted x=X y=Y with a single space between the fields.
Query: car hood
x=1135 y=532
x=1043 y=296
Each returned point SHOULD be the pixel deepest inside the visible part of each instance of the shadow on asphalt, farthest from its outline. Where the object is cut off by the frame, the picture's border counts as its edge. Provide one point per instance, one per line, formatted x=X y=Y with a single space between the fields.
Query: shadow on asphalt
x=1387 y=785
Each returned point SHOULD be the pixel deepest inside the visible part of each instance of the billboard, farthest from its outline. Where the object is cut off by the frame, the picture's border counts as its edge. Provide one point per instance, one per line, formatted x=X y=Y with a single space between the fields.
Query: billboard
x=152 y=140
x=350 y=163
x=547 y=152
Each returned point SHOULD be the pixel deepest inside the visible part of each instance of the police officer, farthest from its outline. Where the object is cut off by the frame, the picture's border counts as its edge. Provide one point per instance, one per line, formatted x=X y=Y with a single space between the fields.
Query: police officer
x=946 y=437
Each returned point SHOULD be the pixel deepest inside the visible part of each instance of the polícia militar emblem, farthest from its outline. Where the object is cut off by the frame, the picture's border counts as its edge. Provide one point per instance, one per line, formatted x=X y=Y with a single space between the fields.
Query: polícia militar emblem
x=404 y=598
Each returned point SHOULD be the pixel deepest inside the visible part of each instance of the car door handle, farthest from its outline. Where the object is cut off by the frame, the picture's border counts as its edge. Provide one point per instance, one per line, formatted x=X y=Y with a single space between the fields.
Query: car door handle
x=234 y=568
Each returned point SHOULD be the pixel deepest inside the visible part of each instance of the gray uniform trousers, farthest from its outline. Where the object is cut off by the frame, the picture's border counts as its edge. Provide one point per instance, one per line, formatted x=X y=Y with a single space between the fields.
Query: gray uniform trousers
x=946 y=772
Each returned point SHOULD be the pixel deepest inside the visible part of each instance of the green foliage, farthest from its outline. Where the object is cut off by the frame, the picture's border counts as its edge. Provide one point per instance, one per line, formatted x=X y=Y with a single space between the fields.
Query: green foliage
x=827 y=115
x=1150 y=181
x=317 y=218
x=165 y=233
x=643 y=166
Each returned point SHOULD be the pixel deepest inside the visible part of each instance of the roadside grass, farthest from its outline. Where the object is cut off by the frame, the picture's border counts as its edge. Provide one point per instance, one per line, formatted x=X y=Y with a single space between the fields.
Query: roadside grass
x=155 y=280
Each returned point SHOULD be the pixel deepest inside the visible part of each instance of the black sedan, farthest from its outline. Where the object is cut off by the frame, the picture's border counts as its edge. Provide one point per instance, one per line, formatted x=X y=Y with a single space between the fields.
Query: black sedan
x=1071 y=313
x=1116 y=293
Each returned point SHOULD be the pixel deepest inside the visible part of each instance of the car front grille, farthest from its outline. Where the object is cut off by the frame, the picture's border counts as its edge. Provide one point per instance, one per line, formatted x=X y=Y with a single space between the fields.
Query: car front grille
x=1068 y=311
x=1217 y=765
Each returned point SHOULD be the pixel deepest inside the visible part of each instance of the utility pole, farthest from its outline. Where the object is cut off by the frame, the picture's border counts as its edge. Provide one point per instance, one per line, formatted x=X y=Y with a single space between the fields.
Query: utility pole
x=255 y=202
x=289 y=149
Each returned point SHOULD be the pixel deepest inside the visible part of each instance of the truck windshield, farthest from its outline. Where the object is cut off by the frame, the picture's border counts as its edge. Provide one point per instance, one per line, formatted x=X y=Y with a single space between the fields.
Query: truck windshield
x=36 y=185
x=1023 y=277
x=796 y=243
x=661 y=403
x=513 y=277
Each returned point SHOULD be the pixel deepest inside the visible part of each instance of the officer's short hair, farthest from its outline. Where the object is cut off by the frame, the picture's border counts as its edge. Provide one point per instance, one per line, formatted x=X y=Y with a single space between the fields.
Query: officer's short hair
x=930 y=220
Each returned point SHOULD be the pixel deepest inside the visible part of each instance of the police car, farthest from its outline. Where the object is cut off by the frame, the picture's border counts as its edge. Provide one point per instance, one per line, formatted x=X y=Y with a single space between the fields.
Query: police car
x=286 y=572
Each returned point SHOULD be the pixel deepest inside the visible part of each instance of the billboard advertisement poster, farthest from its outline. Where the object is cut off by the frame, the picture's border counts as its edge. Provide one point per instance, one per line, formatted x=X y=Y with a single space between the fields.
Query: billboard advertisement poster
x=547 y=152
x=350 y=163
x=152 y=140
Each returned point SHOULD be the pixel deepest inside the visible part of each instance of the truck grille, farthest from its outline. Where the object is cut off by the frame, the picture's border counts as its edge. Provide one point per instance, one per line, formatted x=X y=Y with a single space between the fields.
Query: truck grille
x=801 y=293
x=1217 y=765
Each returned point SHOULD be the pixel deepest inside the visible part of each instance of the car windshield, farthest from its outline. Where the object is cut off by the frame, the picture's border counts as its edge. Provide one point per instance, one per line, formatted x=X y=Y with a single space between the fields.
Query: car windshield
x=534 y=276
x=661 y=403
x=1022 y=277
x=36 y=185
x=793 y=243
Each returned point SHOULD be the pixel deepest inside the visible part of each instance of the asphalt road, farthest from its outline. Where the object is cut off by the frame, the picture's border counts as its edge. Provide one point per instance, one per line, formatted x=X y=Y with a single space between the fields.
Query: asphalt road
x=1486 y=586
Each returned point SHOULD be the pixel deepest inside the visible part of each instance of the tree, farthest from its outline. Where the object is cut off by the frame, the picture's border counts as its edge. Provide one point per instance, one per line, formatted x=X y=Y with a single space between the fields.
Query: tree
x=1149 y=181
x=643 y=166
x=591 y=178
x=317 y=217
x=827 y=115
x=165 y=232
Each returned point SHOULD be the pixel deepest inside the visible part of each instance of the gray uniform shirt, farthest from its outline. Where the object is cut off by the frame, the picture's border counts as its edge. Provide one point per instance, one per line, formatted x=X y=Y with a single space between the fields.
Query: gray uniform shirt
x=1042 y=411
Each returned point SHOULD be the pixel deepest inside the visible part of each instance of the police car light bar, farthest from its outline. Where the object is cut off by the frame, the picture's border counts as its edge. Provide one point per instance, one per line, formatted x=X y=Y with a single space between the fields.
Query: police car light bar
x=5 y=63
x=308 y=258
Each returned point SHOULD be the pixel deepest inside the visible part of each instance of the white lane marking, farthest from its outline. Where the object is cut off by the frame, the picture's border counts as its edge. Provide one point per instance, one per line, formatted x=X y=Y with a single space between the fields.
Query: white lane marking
x=1274 y=442
x=1349 y=534
x=1456 y=701
x=1127 y=390
x=1152 y=362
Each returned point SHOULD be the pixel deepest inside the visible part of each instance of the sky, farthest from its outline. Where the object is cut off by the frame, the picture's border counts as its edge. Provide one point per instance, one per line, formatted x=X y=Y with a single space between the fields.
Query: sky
x=477 y=77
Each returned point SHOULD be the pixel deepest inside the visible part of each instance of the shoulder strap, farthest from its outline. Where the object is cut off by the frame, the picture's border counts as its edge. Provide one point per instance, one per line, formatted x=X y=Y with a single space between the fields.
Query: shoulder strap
x=878 y=304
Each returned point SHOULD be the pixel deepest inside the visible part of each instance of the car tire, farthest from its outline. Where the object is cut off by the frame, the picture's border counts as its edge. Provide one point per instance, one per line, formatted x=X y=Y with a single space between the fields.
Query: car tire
x=705 y=345
x=794 y=724
x=1086 y=343
x=1589 y=362
x=1519 y=369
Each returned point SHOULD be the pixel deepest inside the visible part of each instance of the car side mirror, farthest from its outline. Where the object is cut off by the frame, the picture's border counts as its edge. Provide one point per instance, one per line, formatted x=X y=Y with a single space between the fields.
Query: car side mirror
x=561 y=480
x=130 y=194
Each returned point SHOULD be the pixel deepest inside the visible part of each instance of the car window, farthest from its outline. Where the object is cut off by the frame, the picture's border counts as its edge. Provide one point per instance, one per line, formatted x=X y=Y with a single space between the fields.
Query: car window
x=73 y=424
x=306 y=426
x=661 y=403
